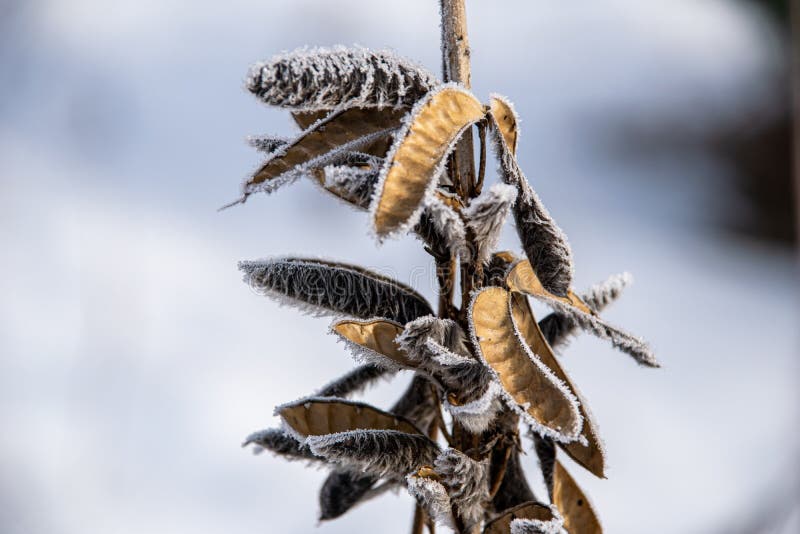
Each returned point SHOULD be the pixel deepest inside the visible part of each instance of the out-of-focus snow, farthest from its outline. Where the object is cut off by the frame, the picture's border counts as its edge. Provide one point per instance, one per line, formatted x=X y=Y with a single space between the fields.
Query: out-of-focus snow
x=133 y=361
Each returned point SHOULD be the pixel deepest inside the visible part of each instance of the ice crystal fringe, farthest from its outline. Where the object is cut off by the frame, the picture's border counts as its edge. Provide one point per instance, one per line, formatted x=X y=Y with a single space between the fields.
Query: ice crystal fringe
x=467 y=482
x=319 y=78
x=544 y=242
x=279 y=442
x=366 y=355
x=559 y=327
x=378 y=452
x=353 y=382
x=267 y=143
x=535 y=526
x=432 y=497
x=321 y=288
x=486 y=216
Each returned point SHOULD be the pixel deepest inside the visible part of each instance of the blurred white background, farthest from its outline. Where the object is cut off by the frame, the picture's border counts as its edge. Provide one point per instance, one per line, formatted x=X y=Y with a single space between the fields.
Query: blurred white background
x=133 y=361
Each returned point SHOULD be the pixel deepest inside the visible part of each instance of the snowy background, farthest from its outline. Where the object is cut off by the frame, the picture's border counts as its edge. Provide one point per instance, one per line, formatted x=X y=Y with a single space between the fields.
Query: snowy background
x=133 y=361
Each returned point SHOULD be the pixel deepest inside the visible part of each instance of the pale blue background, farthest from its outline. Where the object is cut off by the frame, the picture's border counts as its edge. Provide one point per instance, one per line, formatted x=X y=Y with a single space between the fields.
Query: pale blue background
x=133 y=360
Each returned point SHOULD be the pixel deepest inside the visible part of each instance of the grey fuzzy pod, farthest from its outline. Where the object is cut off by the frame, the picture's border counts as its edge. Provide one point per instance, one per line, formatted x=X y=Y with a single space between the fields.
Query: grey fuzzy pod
x=382 y=453
x=341 y=491
x=279 y=442
x=321 y=287
x=467 y=483
x=353 y=382
x=314 y=79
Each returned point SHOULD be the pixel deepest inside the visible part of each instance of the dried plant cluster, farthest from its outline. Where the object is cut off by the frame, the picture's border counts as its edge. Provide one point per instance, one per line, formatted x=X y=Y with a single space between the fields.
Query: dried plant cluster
x=378 y=132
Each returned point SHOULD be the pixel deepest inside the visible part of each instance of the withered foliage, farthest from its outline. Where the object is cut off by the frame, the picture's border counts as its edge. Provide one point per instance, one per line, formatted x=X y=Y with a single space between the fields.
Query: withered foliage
x=380 y=133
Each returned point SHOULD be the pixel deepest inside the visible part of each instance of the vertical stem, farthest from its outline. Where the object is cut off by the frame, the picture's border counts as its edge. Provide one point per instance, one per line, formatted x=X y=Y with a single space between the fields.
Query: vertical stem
x=794 y=55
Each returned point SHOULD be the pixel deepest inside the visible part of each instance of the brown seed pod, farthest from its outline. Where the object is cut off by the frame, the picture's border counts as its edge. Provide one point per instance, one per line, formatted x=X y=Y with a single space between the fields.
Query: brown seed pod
x=320 y=416
x=419 y=154
x=506 y=118
x=592 y=455
x=529 y=510
x=572 y=504
x=379 y=147
x=522 y=279
x=373 y=340
x=320 y=142
x=530 y=386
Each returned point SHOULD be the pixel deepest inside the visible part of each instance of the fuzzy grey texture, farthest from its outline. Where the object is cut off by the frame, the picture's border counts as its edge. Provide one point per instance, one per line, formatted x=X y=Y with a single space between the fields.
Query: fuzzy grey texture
x=341 y=491
x=433 y=498
x=448 y=227
x=353 y=184
x=353 y=382
x=279 y=442
x=494 y=272
x=325 y=78
x=558 y=327
x=440 y=348
x=267 y=143
x=467 y=483
x=386 y=453
x=321 y=287
x=546 y=452
x=486 y=216
x=535 y=526
x=543 y=241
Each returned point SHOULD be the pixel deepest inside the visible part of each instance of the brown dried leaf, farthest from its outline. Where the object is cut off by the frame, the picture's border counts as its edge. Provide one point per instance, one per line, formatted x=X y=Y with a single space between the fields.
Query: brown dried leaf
x=379 y=148
x=590 y=456
x=527 y=510
x=376 y=335
x=318 y=417
x=506 y=119
x=337 y=129
x=572 y=504
x=522 y=374
x=419 y=154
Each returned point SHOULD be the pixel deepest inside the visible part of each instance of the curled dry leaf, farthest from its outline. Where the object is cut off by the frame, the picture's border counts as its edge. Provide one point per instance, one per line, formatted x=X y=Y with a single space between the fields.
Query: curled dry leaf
x=590 y=455
x=319 y=416
x=522 y=279
x=373 y=340
x=531 y=387
x=544 y=242
x=419 y=154
x=578 y=513
x=321 y=143
x=325 y=287
x=530 y=510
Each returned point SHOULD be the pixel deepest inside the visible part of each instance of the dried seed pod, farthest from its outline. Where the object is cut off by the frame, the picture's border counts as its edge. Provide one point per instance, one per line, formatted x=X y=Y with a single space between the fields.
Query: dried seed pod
x=578 y=513
x=319 y=79
x=320 y=416
x=522 y=279
x=322 y=287
x=591 y=453
x=268 y=143
x=467 y=483
x=353 y=382
x=544 y=242
x=342 y=490
x=505 y=116
x=277 y=441
x=432 y=496
x=558 y=327
x=385 y=453
x=373 y=341
x=322 y=143
x=530 y=511
x=530 y=386
x=377 y=148
x=418 y=156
